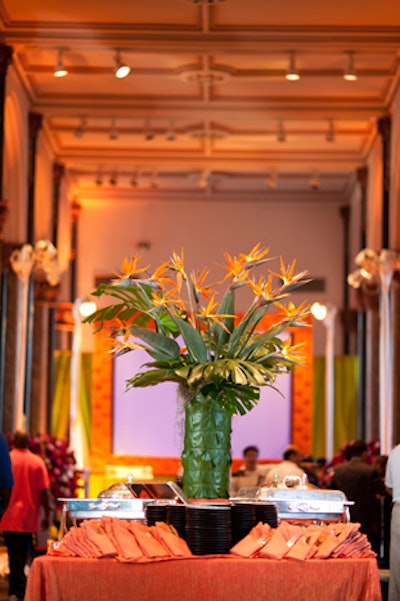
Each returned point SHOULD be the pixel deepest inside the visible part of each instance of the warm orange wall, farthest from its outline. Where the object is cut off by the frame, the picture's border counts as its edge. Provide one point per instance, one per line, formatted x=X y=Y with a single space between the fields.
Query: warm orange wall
x=101 y=446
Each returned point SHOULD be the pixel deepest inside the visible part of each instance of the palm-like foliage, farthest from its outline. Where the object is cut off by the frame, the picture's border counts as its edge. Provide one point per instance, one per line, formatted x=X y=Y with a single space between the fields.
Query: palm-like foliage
x=224 y=357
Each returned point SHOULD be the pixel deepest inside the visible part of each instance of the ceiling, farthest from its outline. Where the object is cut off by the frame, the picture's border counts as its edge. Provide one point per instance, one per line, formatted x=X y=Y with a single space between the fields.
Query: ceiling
x=206 y=108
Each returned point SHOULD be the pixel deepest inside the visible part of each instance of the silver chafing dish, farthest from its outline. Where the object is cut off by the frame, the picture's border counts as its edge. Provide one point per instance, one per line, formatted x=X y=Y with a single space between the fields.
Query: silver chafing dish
x=126 y=500
x=300 y=501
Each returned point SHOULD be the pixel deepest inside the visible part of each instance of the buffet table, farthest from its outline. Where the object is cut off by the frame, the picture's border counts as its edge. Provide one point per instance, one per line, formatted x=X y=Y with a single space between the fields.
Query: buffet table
x=200 y=578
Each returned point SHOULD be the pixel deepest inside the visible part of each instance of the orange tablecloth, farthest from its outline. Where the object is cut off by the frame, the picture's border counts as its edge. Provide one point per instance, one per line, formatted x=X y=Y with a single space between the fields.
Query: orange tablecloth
x=202 y=579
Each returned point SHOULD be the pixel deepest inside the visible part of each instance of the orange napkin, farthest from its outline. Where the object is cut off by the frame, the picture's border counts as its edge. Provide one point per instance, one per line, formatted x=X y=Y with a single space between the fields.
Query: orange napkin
x=150 y=546
x=253 y=542
x=123 y=539
x=169 y=538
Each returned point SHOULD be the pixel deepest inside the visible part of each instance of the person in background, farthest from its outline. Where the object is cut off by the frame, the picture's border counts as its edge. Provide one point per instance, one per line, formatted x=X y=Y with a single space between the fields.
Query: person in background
x=290 y=466
x=6 y=477
x=356 y=478
x=392 y=482
x=309 y=465
x=21 y=518
x=250 y=474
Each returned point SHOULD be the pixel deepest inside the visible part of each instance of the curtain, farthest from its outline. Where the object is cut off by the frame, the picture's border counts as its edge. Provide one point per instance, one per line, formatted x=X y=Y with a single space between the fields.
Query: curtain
x=61 y=399
x=346 y=397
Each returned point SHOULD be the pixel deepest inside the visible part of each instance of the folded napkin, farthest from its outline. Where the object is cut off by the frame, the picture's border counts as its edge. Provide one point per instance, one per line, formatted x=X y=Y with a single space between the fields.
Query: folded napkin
x=252 y=542
x=149 y=545
x=169 y=538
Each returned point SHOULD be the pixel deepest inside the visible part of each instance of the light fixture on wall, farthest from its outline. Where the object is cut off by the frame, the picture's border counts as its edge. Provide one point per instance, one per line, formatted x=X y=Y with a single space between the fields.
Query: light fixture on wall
x=330 y=134
x=292 y=74
x=81 y=129
x=350 y=73
x=60 y=69
x=121 y=69
x=113 y=178
x=281 y=134
x=114 y=134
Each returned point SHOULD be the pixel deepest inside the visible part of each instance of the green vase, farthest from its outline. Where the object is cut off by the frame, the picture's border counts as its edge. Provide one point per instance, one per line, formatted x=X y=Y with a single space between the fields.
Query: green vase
x=206 y=456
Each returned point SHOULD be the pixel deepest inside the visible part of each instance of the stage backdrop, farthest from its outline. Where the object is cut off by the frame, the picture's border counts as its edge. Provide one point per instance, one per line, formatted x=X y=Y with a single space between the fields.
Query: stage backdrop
x=149 y=421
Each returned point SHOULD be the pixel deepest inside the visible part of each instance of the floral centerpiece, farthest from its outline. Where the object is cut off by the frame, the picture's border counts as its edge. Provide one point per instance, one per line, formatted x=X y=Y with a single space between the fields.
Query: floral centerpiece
x=218 y=360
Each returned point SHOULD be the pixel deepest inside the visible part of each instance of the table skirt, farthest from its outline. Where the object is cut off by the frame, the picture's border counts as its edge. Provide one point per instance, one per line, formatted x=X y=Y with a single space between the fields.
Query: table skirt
x=203 y=579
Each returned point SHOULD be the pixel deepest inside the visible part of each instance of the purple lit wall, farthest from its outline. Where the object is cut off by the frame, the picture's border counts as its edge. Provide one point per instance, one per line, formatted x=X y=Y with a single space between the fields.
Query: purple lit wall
x=148 y=421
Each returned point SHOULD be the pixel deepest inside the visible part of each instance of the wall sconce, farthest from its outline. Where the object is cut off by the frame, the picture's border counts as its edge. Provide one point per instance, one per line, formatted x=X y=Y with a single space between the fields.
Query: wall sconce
x=170 y=135
x=148 y=132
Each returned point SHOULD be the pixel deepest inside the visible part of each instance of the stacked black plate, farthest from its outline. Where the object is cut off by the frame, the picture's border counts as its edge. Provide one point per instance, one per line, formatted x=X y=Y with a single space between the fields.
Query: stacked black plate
x=176 y=517
x=155 y=512
x=208 y=529
x=243 y=520
x=267 y=513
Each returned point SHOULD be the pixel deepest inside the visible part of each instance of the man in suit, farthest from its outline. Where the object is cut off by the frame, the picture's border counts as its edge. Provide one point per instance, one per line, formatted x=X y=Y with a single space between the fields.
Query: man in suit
x=356 y=478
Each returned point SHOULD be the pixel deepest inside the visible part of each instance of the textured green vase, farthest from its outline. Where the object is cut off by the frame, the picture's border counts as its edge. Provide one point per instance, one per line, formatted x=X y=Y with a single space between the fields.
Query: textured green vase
x=206 y=456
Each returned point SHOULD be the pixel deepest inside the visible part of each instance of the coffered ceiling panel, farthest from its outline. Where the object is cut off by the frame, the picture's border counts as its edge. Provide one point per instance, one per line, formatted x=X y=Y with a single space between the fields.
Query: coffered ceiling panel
x=206 y=107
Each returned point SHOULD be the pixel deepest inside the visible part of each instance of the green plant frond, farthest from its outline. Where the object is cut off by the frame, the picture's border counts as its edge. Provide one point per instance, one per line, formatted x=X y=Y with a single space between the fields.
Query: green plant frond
x=235 y=340
x=156 y=342
x=152 y=378
x=193 y=340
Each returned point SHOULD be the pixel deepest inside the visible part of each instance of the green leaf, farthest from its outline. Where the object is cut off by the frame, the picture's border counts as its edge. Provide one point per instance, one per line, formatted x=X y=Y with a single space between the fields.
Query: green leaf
x=158 y=343
x=193 y=340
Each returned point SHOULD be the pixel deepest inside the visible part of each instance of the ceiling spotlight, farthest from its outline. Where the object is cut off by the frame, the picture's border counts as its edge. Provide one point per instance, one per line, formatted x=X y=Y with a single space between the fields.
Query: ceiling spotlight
x=170 y=136
x=81 y=129
x=350 y=72
x=60 y=70
x=281 y=135
x=292 y=74
x=148 y=132
x=154 y=180
x=204 y=179
x=315 y=181
x=121 y=69
x=114 y=134
x=135 y=178
x=99 y=177
x=113 y=178
x=330 y=134
x=272 y=180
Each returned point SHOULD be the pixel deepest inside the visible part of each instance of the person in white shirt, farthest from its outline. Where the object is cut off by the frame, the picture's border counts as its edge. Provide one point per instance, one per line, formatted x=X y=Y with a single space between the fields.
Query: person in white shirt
x=290 y=466
x=250 y=474
x=392 y=482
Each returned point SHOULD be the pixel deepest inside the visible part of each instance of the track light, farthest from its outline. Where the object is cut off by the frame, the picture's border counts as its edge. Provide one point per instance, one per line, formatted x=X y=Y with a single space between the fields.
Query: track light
x=204 y=179
x=154 y=180
x=350 y=72
x=135 y=178
x=99 y=177
x=170 y=136
x=292 y=73
x=121 y=69
x=272 y=180
x=281 y=135
x=315 y=181
x=60 y=70
x=81 y=129
x=114 y=134
x=148 y=132
x=113 y=178
x=330 y=134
